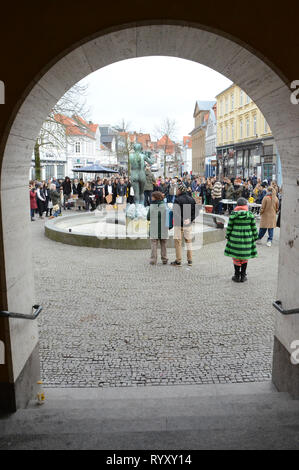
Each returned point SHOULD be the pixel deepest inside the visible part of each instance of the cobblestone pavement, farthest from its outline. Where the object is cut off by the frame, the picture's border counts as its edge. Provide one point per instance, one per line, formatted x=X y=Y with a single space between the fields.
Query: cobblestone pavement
x=110 y=319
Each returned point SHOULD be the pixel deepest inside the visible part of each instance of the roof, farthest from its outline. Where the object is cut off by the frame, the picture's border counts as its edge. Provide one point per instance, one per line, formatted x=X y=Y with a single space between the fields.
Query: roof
x=166 y=141
x=107 y=138
x=203 y=105
x=76 y=125
x=144 y=140
x=225 y=90
x=187 y=141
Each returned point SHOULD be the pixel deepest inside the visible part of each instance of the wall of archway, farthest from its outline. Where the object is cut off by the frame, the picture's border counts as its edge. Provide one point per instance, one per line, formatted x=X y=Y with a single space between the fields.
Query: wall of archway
x=252 y=74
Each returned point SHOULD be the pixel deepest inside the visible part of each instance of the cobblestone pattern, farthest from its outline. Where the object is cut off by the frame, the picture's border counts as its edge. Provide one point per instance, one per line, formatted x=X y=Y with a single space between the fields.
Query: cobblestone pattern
x=110 y=319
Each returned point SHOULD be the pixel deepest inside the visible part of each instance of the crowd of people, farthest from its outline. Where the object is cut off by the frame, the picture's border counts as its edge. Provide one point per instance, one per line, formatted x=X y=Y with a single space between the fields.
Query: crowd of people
x=45 y=196
x=50 y=197
x=241 y=234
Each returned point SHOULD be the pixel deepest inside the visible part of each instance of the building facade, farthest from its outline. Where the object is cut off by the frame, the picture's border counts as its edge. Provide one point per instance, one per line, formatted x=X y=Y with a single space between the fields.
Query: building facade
x=245 y=144
x=83 y=145
x=187 y=155
x=198 y=134
x=211 y=140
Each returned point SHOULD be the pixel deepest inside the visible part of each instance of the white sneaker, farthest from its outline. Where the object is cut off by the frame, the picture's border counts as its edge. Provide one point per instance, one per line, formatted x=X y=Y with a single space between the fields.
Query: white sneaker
x=269 y=243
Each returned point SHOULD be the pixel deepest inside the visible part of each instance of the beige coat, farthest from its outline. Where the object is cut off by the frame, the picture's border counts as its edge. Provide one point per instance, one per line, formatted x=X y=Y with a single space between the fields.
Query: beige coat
x=269 y=211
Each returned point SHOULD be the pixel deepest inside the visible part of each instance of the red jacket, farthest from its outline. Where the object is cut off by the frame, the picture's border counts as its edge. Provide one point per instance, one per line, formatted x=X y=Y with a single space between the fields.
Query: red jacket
x=33 y=202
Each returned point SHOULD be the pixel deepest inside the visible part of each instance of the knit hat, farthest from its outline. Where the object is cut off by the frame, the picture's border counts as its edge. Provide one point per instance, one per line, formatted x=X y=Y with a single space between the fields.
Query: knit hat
x=242 y=201
x=182 y=188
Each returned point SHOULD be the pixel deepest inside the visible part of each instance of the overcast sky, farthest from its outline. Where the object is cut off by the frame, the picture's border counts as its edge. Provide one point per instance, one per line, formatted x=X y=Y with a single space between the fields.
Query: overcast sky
x=146 y=90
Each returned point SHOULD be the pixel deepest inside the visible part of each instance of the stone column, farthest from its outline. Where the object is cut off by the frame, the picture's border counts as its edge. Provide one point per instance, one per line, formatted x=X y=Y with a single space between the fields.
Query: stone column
x=285 y=373
x=19 y=374
x=43 y=173
x=55 y=170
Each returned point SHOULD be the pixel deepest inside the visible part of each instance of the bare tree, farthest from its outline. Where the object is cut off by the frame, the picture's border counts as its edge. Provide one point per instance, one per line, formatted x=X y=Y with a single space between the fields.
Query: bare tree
x=177 y=157
x=53 y=133
x=167 y=130
x=124 y=144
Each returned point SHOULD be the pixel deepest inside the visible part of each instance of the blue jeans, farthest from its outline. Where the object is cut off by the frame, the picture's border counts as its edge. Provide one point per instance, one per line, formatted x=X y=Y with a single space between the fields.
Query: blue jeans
x=270 y=233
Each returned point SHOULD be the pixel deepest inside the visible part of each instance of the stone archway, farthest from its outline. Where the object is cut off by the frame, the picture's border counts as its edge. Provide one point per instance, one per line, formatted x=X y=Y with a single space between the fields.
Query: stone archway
x=244 y=68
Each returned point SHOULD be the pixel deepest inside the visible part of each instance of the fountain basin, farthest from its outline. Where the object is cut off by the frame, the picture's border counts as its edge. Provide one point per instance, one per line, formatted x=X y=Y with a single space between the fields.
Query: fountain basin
x=108 y=230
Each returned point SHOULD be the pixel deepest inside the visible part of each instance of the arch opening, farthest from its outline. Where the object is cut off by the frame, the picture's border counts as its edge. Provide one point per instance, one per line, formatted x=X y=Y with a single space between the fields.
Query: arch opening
x=254 y=76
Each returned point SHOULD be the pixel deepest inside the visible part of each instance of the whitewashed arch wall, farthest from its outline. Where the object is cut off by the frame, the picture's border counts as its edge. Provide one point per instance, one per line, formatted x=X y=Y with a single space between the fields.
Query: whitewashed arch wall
x=237 y=63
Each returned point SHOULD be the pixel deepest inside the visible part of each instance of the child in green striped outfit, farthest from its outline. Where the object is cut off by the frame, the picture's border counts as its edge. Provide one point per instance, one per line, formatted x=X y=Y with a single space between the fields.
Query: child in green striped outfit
x=241 y=234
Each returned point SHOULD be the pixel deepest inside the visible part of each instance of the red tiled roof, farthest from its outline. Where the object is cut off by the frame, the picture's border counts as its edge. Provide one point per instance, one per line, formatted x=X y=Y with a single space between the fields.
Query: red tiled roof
x=144 y=140
x=77 y=126
x=187 y=141
x=165 y=141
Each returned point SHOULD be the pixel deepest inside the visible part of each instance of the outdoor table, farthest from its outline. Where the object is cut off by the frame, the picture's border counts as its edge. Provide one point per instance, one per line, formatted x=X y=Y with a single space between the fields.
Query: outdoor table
x=228 y=201
x=77 y=202
x=251 y=205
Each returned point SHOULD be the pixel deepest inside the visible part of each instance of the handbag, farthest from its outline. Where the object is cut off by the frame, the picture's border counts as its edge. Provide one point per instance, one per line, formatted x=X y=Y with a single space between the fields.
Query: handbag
x=119 y=200
x=109 y=198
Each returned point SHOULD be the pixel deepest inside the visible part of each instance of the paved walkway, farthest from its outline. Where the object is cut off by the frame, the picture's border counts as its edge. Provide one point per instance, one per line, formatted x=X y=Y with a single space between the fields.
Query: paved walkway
x=111 y=319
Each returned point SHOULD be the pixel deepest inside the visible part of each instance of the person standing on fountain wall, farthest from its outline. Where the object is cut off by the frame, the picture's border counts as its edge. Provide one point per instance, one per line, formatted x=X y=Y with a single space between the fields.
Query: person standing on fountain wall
x=149 y=186
x=241 y=234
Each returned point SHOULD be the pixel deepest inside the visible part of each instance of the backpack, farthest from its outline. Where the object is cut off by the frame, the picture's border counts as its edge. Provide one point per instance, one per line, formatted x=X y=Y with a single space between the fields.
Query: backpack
x=169 y=218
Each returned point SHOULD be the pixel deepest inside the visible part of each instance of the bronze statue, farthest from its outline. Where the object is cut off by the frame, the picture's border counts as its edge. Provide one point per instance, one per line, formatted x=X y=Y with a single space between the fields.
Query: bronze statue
x=137 y=163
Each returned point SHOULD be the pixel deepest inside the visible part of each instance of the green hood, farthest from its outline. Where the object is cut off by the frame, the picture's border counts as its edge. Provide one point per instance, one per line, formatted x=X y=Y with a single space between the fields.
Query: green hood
x=241 y=215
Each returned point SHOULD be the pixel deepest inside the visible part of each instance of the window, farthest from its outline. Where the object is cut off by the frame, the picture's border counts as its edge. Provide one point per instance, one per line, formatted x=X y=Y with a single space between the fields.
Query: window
x=265 y=126
x=221 y=133
x=247 y=127
x=49 y=171
x=268 y=150
x=78 y=147
x=232 y=101
x=241 y=129
x=60 y=171
x=247 y=99
x=233 y=131
x=241 y=97
x=254 y=125
x=221 y=107
x=226 y=132
x=226 y=104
